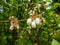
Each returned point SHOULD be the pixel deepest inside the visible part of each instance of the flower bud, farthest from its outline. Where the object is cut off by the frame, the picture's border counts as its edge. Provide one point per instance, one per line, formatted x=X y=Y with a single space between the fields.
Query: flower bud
x=33 y=24
x=29 y=20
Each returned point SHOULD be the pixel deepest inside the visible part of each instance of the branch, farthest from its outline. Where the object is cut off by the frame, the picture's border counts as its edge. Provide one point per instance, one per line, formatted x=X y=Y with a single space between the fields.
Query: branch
x=8 y=20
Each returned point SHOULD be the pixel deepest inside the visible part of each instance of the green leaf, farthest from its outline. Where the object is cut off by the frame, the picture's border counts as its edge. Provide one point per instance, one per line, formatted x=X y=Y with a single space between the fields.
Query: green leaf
x=28 y=42
x=54 y=42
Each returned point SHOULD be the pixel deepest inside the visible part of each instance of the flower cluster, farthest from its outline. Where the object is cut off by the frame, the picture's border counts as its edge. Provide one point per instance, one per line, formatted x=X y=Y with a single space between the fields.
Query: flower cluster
x=35 y=20
x=14 y=22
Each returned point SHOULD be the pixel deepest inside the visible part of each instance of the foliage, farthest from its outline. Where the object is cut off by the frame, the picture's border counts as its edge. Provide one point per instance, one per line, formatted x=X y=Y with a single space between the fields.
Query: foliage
x=54 y=42
x=42 y=35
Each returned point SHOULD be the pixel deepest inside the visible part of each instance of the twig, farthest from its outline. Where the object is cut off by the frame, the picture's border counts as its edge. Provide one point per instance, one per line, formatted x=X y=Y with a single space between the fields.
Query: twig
x=8 y=20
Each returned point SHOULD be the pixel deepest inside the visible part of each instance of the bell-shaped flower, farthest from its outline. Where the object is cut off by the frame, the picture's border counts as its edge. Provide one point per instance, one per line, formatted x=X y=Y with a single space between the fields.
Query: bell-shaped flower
x=33 y=24
x=29 y=20
x=38 y=21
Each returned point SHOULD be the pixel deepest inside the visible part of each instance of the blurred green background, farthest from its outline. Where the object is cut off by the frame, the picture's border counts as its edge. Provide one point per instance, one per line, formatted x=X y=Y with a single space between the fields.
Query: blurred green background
x=48 y=33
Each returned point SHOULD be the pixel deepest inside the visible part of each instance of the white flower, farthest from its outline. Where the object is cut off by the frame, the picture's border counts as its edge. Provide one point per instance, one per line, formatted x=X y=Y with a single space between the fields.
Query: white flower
x=37 y=21
x=48 y=3
x=33 y=24
x=29 y=20
x=39 y=5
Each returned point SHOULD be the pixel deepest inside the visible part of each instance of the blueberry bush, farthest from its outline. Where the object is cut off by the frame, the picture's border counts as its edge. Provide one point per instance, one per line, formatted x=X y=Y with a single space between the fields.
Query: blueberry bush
x=47 y=33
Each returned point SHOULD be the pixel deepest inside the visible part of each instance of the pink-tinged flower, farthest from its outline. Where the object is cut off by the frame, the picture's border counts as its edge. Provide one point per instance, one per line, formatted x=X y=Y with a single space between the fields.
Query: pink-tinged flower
x=11 y=27
x=17 y=26
x=14 y=22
